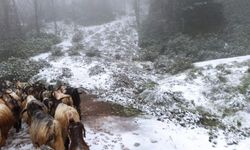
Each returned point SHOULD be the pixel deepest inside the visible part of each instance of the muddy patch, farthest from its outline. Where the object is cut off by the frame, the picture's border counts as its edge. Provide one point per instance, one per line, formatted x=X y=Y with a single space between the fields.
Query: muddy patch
x=91 y=107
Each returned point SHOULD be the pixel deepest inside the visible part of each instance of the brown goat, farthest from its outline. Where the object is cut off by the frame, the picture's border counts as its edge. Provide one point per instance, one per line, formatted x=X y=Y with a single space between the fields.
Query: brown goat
x=44 y=129
x=65 y=98
x=73 y=92
x=63 y=114
x=13 y=101
x=77 y=142
x=25 y=115
x=7 y=120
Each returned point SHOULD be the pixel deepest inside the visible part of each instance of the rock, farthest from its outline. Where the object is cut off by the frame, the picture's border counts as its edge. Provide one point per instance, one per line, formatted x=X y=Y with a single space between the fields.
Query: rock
x=137 y=144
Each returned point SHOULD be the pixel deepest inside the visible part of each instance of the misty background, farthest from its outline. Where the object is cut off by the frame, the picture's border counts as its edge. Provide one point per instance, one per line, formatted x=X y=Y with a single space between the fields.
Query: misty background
x=189 y=31
x=174 y=60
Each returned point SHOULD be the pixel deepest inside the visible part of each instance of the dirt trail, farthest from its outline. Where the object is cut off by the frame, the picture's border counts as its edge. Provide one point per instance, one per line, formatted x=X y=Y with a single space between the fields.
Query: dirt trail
x=97 y=113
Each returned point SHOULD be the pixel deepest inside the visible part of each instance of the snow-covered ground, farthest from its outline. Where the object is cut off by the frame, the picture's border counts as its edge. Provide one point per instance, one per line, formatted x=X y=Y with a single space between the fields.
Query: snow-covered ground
x=201 y=108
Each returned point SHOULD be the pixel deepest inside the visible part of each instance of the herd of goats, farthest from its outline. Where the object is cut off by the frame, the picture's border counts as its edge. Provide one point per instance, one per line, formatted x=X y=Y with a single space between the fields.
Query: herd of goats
x=52 y=114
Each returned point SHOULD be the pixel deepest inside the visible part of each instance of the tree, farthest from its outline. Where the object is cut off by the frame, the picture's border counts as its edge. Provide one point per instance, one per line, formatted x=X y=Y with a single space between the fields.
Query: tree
x=10 y=22
x=6 y=8
x=54 y=15
x=202 y=16
x=137 y=13
x=169 y=17
x=37 y=26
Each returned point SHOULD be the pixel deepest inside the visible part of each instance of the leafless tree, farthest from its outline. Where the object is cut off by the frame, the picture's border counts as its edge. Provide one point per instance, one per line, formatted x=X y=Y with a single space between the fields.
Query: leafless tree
x=137 y=12
x=54 y=15
x=37 y=26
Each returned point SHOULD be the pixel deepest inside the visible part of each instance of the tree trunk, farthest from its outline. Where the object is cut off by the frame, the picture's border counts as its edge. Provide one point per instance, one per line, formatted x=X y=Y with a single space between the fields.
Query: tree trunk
x=137 y=13
x=54 y=16
x=36 y=17
x=6 y=18
x=17 y=19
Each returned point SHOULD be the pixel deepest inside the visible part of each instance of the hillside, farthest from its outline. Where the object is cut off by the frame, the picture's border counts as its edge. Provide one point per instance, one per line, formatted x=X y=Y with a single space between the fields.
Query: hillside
x=206 y=107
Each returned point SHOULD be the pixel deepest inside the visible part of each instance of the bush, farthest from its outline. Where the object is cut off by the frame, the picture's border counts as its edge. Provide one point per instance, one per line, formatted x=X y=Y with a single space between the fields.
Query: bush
x=66 y=73
x=122 y=80
x=26 y=48
x=20 y=69
x=73 y=53
x=174 y=65
x=192 y=29
x=180 y=45
x=96 y=70
x=56 y=51
x=93 y=53
x=75 y=49
x=77 y=37
x=197 y=48
x=149 y=54
x=245 y=84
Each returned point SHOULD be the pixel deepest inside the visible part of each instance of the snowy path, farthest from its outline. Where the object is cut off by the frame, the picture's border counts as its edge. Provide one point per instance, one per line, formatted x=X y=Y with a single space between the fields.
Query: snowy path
x=223 y=61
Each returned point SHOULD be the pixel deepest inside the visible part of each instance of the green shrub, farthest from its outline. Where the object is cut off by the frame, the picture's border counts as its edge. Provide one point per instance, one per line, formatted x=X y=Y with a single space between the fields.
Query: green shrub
x=93 y=53
x=75 y=49
x=31 y=46
x=194 y=48
x=164 y=64
x=222 y=78
x=20 y=69
x=56 y=51
x=77 y=37
x=149 y=54
x=74 y=53
x=245 y=84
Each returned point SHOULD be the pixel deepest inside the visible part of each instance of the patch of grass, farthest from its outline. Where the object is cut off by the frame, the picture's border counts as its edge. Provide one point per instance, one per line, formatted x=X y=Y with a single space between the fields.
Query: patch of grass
x=74 y=53
x=75 y=49
x=93 y=53
x=149 y=54
x=245 y=83
x=119 y=110
x=230 y=111
x=207 y=119
x=194 y=73
x=222 y=78
x=56 y=52
x=222 y=68
x=175 y=65
x=149 y=85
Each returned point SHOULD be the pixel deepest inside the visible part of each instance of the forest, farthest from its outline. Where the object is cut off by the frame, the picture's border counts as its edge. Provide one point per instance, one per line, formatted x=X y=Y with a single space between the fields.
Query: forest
x=124 y=74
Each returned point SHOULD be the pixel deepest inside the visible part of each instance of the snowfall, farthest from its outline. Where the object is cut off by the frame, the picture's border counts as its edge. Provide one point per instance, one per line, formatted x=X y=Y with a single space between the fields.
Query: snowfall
x=173 y=105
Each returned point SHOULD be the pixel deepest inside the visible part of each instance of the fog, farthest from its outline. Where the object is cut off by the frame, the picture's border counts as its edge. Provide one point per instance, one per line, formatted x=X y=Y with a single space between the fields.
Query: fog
x=151 y=74
x=25 y=13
